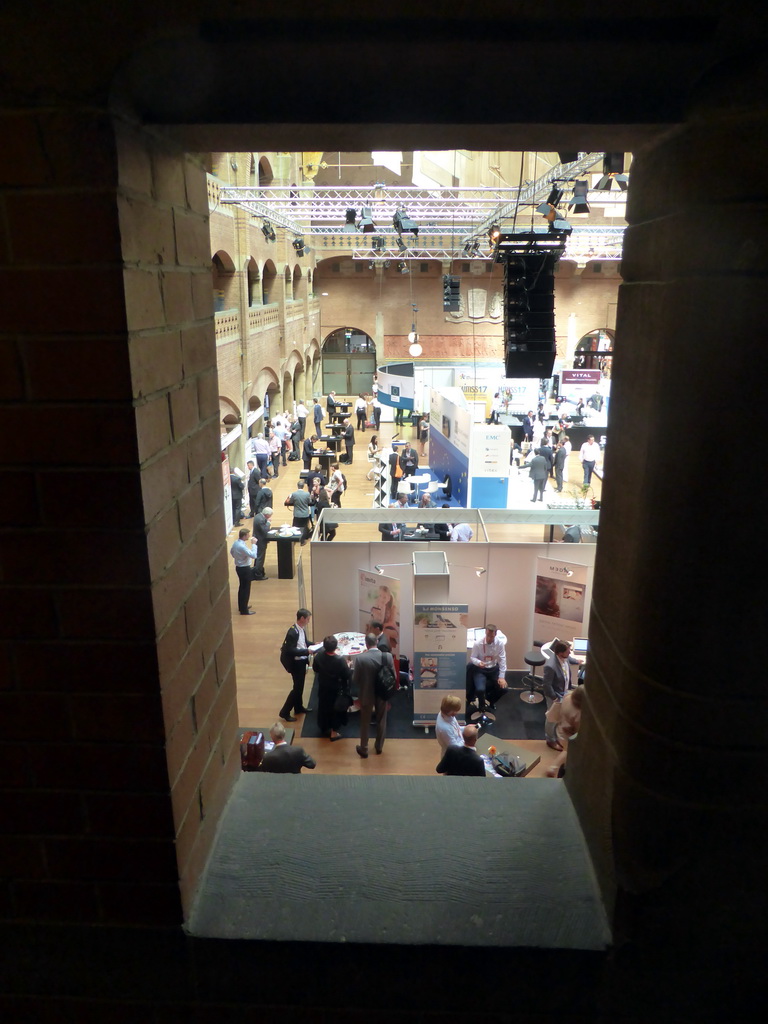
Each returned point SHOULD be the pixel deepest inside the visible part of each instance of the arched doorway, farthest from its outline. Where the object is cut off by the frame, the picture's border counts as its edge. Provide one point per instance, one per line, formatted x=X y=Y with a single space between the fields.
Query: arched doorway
x=349 y=361
x=595 y=351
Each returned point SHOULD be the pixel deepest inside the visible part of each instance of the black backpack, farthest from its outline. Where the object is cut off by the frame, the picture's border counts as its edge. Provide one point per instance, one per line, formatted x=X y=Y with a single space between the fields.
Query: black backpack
x=385 y=684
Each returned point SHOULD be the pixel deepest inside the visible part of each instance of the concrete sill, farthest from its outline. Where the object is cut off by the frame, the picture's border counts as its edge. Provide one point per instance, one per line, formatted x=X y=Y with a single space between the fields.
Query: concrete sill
x=401 y=859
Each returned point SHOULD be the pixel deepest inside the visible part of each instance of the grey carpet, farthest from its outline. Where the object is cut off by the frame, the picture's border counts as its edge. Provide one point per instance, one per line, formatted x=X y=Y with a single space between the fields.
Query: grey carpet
x=409 y=860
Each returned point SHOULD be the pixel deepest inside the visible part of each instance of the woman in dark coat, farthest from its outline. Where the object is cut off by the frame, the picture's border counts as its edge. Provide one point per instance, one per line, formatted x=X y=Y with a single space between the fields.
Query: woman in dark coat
x=333 y=676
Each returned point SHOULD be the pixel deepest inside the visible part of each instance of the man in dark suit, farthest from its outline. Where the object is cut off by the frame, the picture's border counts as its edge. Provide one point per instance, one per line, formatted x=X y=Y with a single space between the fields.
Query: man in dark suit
x=237 y=485
x=294 y=657
x=377 y=629
x=283 y=759
x=261 y=528
x=364 y=679
x=330 y=404
x=263 y=497
x=539 y=471
x=561 y=454
x=556 y=682
x=306 y=450
x=317 y=416
x=391 y=531
x=462 y=760
x=253 y=486
x=349 y=440
x=409 y=461
x=528 y=426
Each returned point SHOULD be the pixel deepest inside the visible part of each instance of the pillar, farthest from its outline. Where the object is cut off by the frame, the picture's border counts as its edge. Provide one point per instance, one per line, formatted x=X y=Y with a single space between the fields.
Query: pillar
x=668 y=773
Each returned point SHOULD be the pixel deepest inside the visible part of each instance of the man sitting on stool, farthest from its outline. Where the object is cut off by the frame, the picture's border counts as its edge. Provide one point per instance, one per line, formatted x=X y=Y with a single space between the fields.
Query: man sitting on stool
x=488 y=662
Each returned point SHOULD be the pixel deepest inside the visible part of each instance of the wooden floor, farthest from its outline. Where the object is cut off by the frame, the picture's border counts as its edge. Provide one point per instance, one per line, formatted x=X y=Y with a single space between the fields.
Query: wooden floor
x=262 y=682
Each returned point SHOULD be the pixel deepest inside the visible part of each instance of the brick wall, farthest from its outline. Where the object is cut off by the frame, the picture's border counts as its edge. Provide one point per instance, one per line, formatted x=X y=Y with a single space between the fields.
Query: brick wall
x=114 y=610
x=164 y=223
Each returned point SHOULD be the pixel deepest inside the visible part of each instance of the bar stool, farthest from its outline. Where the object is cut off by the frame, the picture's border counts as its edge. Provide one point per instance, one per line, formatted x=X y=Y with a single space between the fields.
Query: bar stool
x=532 y=695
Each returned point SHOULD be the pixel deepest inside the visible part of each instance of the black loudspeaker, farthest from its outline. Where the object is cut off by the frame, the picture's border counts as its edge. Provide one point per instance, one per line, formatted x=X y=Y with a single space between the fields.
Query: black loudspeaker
x=526 y=363
x=529 y=314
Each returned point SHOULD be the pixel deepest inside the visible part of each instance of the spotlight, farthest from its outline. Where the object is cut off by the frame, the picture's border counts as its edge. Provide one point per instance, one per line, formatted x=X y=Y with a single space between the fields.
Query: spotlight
x=268 y=231
x=551 y=201
x=579 y=206
x=559 y=223
x=494 y=234
x=298 y=245
x=371 y=264
x=402 y=223
x=378 y=243
x=613 y=165
x=387 y=264
x=402 y=267
x=379 y=570
x=401 y=246
x=349 y=223
x=366 y=221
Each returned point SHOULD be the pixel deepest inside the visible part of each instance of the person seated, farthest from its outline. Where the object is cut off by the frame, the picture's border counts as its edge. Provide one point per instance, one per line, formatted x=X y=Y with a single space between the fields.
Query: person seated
x=447 y=729
x=391 y=531
x=487 y=668
x=443 y=530
x=463 y=760
x=282 y=758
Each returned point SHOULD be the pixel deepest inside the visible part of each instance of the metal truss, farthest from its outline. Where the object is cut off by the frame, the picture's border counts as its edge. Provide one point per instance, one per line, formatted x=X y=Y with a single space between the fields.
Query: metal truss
x=584 y=243
x=297 y=207
x=448 y=219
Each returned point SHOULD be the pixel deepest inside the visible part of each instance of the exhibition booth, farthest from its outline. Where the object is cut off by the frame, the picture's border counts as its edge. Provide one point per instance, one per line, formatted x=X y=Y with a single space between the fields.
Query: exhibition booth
x=428 y=594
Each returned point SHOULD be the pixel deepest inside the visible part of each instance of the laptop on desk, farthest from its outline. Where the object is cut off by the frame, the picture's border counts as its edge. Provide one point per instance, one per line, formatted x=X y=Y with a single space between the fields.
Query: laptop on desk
x=580 y=646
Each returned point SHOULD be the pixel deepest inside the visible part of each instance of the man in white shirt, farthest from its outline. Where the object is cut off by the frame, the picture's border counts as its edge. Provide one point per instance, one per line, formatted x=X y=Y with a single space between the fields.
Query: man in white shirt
x=461 y=532
x=589 y=453
x=489 y=658
x=243 y=556
x=301 y=415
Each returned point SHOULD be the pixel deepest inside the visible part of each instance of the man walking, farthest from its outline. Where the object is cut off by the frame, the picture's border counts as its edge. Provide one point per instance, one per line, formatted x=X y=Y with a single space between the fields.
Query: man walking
x=364 y=679
x=261 y=527
x=589 y=453
x=242 y=555
x=463 y=760
x=294 y=656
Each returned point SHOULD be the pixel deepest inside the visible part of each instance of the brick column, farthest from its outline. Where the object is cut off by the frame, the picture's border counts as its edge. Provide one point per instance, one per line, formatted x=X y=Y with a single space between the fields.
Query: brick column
x=669 y=769
x=114 y=609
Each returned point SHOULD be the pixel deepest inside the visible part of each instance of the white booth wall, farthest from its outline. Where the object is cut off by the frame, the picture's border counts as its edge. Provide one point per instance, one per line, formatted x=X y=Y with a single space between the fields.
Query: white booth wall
x=504 y=594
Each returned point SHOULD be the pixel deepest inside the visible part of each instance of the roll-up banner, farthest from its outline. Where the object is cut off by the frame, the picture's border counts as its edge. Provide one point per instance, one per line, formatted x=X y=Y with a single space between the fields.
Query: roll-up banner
x=380 y=602
x=561 y=600
x=439 y=656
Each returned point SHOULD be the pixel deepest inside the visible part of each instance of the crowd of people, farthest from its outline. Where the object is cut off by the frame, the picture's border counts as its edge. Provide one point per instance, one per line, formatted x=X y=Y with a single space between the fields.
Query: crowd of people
x=346 y=684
